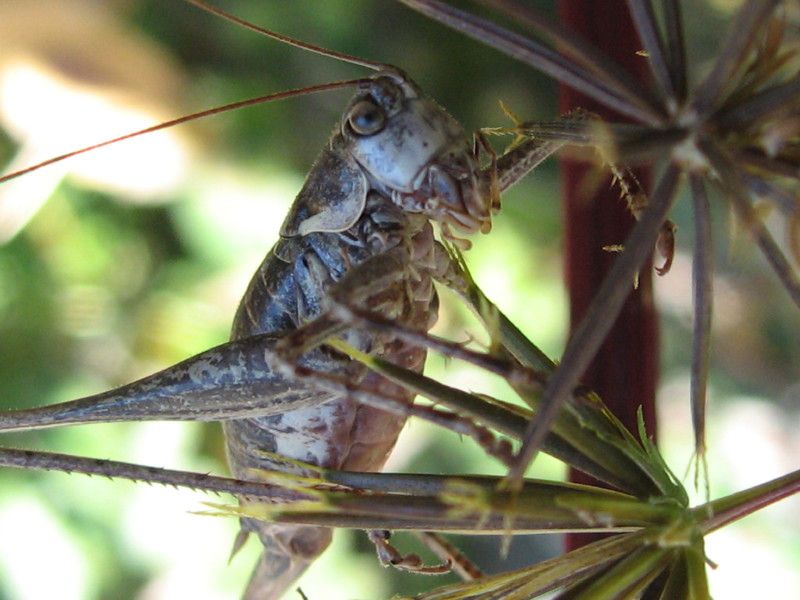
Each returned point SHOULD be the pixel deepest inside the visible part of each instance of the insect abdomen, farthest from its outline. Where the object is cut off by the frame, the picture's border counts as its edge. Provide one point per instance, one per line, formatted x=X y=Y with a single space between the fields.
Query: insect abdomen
x=288 y=290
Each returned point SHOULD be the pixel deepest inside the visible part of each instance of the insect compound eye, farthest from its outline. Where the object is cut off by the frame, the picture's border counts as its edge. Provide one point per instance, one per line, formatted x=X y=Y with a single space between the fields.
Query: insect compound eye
x=366 y=118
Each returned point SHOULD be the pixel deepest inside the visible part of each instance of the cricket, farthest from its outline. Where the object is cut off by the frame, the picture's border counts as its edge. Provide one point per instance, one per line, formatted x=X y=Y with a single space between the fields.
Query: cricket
x=362 y=229
x=319 y=369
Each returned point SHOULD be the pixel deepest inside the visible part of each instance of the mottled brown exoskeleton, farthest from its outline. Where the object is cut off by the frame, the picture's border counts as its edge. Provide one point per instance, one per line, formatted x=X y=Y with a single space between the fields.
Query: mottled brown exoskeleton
x=361 y=226
x=361 y=231
x=396 y=162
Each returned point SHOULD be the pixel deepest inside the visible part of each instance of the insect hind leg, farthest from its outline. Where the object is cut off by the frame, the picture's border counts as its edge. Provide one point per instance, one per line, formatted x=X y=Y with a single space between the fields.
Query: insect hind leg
x=233 y=380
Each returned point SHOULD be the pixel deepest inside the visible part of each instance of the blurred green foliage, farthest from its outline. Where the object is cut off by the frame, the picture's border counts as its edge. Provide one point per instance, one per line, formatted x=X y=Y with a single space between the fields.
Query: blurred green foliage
x=97 y=291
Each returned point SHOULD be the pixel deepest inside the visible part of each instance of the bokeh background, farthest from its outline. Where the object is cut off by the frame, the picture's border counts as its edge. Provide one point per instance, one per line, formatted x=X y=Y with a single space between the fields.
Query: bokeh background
x=122 y=263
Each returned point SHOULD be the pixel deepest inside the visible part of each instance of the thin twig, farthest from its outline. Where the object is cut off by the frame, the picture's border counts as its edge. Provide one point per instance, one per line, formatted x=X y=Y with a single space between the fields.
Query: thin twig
x=531 y=53
x=773 y=165
x=409 y=510
x=676 y=48
x=720 y=512
x=762 y=104
x=646 y=25
x=406 y=513
x=66 y=463
x=576 y=46
x=702 y=272
x=787 y=202
x=734 y=185
x=598 y=319
x=746 y=26
x=427 y=484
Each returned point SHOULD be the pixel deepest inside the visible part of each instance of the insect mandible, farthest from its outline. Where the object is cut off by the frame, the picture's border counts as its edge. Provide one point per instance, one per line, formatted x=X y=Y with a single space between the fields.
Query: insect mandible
x=383 y=208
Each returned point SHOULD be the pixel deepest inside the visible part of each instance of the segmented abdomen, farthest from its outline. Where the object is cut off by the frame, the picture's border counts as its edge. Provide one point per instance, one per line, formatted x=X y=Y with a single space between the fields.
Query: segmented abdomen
x=289 y=289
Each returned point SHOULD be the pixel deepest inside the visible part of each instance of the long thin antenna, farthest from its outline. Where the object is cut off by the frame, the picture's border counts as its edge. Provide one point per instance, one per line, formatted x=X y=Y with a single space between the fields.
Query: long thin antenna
x=192 y=117
x=376 y=66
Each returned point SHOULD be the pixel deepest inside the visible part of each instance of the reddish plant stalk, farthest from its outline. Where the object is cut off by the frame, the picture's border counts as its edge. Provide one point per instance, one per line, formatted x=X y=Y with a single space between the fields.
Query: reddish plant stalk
x=625 y=370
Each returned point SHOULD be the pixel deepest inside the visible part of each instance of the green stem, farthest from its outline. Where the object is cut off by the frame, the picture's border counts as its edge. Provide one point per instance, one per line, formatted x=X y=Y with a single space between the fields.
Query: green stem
x=718 y=513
